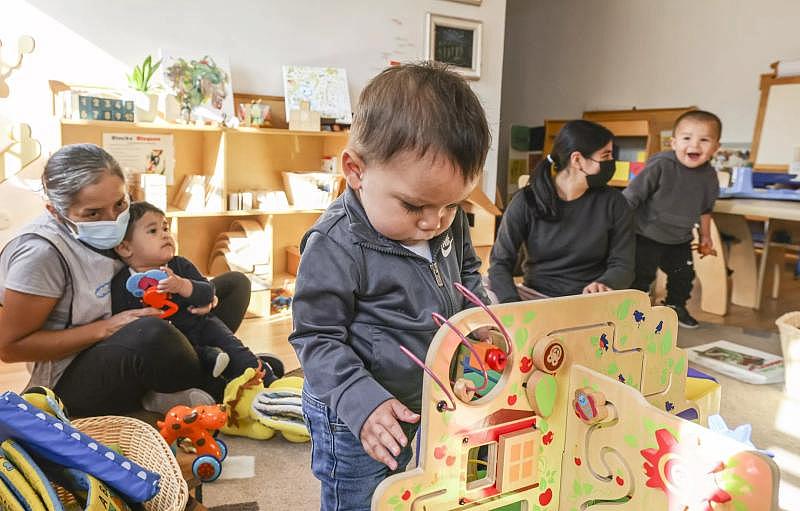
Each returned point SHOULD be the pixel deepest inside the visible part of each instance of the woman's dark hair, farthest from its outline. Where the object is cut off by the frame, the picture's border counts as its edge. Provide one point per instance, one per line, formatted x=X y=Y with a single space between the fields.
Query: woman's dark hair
x=583 y=136
x=74 y=167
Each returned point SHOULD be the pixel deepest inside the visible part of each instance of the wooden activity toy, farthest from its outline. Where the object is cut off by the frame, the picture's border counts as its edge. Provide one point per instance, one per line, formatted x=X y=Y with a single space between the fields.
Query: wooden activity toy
x=590 y=410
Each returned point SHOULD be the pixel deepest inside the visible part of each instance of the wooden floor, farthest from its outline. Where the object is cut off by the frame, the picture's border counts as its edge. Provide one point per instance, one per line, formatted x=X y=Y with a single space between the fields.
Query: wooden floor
x=270 y=335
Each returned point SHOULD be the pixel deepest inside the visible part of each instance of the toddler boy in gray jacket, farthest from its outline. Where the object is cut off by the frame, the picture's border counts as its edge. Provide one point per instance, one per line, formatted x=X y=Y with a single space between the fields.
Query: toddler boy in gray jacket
x=379 y=261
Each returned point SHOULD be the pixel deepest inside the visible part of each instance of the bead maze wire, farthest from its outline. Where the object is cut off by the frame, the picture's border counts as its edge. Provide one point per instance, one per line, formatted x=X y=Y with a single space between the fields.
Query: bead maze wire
x=442 y=405
x=440 y=320
x=473 y=298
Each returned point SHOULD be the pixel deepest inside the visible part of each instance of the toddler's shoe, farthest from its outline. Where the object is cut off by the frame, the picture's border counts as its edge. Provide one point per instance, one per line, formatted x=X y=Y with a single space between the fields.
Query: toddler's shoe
x=214 y=359
x=684 y=318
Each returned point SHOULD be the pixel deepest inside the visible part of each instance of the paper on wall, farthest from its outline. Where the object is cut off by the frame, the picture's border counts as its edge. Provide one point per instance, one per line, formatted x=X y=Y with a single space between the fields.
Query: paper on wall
x=140 y=153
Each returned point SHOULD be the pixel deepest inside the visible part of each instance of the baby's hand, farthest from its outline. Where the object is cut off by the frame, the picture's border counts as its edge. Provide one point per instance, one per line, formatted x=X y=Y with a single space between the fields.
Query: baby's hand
x=174 y=284
x=381 y=435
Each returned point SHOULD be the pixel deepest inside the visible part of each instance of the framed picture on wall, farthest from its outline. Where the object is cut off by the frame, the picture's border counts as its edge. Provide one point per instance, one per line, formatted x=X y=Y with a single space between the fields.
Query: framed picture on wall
x=456 y=42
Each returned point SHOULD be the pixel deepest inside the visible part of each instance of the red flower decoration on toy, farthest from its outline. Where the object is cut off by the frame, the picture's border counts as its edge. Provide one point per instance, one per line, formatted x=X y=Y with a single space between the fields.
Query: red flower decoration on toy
x=679 y=474
x=547 y=438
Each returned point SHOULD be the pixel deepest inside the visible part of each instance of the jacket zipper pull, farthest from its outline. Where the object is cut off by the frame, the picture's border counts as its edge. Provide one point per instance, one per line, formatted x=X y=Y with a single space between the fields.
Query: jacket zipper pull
x=436 y=275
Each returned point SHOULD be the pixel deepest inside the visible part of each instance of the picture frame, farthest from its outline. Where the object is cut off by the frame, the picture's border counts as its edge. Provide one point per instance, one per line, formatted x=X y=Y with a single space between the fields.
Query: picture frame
x=455 y=42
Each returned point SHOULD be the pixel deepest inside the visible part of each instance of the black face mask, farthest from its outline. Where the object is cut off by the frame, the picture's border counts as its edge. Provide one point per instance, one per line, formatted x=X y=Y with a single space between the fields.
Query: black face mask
x=607 y=169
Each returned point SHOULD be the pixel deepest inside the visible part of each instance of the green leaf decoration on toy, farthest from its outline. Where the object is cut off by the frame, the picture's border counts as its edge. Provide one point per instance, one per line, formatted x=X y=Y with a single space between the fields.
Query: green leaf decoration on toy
x=545 y=394
x=733 y=483
x=632 y=441
x=587 y=488
x=576 y=488
x=738 y=505
x=418 y=488
x=595 y=340
x=670 y=363
x=650 y=426
x=507 y=320
x=680 y=367
x=447 y=417
x=664 y=374
x=623 y=340
x=623 y=309
x=666 y=342
x=528 y=316
x=520 y=338
x=613 y=369
x=393 y=500
x=651 y=347
x=542 y=425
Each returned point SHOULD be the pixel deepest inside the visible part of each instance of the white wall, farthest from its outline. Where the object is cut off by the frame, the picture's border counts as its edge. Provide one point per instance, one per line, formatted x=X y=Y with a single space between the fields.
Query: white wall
x=97 y=42
x=573 y=55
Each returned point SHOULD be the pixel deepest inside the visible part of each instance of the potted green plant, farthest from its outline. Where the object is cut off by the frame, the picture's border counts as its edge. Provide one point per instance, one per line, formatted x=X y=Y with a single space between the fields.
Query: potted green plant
x=145 y=102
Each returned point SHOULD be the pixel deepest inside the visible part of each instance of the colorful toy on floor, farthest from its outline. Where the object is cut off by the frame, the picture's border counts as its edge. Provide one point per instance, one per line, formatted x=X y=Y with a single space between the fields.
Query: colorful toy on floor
x=279 y=407
x=145 y=286
x=585 y=415
x=197 y=426
x=258 y=412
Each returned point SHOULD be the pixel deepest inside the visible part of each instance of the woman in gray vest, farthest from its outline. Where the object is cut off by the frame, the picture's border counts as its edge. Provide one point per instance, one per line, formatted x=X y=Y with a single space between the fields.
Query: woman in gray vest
x=56 y=304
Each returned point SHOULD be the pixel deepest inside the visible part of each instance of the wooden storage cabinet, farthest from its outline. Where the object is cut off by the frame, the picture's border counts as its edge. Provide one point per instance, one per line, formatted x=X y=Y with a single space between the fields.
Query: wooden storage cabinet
x=242 y=159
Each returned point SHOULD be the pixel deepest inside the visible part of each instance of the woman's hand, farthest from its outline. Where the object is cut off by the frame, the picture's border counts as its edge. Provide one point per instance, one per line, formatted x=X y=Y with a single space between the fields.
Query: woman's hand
x=108 y=327
x=596 y=287
x=200 y=311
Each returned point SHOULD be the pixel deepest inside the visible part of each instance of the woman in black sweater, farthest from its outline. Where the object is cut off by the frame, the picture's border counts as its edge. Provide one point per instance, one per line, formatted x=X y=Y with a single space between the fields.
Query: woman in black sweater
x=578 y=232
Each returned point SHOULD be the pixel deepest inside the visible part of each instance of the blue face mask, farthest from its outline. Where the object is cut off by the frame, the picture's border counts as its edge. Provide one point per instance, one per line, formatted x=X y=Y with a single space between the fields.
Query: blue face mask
x=103 y=234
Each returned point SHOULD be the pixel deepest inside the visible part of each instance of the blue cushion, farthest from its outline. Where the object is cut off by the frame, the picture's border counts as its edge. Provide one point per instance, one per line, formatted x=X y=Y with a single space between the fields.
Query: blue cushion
x=46 y=436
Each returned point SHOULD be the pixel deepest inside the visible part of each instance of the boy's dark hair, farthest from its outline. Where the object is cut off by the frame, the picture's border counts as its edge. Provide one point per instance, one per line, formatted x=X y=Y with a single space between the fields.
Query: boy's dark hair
x=585 y=137
x=137 y=211
x=699 y=116
x=421 y=107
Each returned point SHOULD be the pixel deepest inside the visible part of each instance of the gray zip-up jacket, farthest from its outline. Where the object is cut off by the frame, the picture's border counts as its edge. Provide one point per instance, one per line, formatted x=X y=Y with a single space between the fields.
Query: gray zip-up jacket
x=359 y=296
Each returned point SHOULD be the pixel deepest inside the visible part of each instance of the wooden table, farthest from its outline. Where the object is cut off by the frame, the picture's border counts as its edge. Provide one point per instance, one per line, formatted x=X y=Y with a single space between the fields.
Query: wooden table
x=749 y=277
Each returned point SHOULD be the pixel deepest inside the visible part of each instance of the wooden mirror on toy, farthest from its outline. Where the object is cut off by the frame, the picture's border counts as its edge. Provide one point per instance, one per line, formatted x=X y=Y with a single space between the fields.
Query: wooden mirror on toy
x=478 y=363
x=145 y=286
x=478 y=360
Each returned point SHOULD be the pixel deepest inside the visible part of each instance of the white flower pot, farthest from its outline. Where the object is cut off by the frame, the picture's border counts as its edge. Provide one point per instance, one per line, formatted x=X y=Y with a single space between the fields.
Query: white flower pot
x=145 y=106
x=168 y=104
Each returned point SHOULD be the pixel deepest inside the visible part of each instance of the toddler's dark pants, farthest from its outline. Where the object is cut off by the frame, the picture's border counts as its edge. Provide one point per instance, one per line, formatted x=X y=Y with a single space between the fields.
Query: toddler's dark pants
x=674 y=260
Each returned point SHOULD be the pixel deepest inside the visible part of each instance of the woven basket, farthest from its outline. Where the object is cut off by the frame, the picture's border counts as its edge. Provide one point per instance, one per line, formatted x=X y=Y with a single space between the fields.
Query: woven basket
x=144 y=445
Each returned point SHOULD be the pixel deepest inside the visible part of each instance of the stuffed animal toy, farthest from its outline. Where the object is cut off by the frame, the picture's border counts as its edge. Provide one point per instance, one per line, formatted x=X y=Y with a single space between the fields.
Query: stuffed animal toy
x=258 y=412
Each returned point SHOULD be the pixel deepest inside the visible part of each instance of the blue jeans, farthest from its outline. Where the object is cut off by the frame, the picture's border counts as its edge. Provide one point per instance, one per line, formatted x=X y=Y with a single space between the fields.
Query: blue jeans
x=348 y=474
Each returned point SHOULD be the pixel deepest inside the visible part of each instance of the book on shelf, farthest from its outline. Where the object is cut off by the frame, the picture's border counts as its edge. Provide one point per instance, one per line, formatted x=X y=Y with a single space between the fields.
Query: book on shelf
x=746 y=364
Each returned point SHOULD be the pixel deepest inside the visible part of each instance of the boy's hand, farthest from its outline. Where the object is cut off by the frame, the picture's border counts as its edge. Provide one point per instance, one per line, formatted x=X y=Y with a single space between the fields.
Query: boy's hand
x=596 y=287
x=706 y=247
x=174 y=284
x=381 y=435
